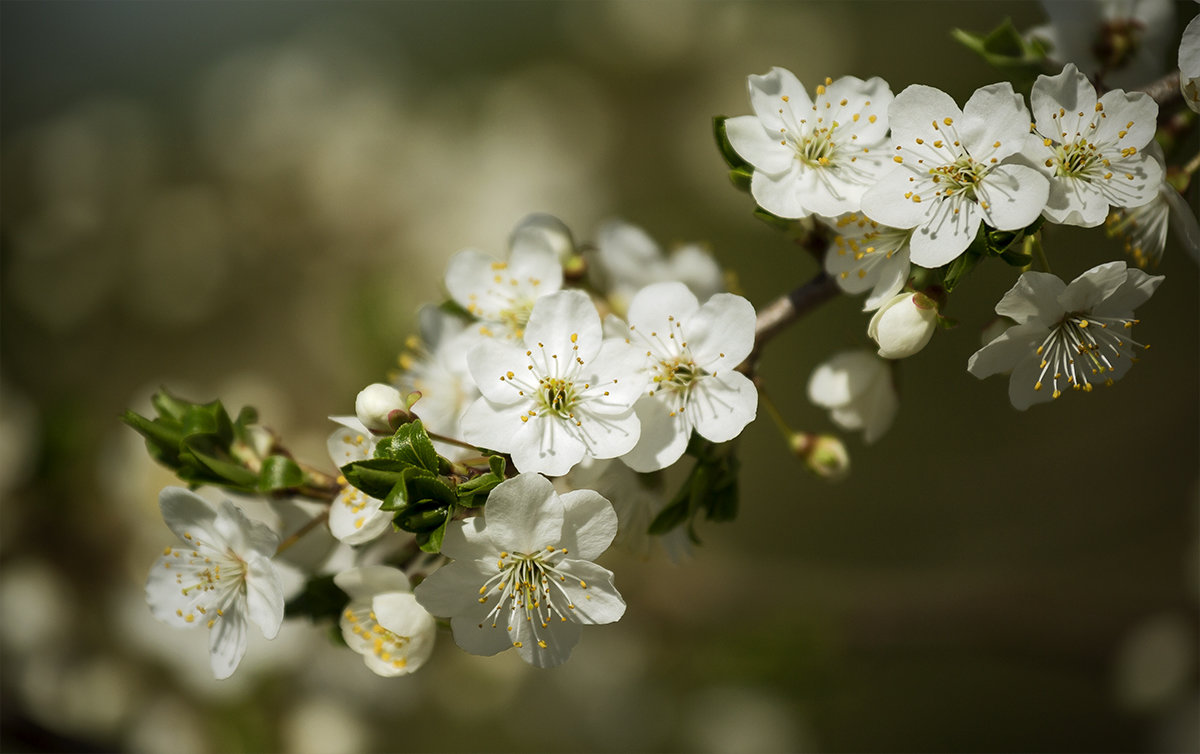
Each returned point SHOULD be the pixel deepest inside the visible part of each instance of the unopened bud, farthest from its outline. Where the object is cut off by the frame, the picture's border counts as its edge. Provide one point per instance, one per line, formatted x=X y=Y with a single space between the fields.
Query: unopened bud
x=375 y=404
x=824 y=455
x=903 y=325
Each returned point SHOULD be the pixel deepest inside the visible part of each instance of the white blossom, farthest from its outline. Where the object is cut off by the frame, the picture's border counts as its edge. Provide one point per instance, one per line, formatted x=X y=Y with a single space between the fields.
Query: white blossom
x=865 y=255
x=566 y=393
x=383 y=621
x=522 y=574
x=690 y=355
x=951 y=174
x=856 y=387
x=812 y=156
x=1124 y=40
x=1066 y=335
x=628 y=259
x=1143 y=230
x=1092 y=150
x=500 y=294
x=1189 y=64
x=435 y=365
x=354 y=517
x=903 y=325
x=221 y=576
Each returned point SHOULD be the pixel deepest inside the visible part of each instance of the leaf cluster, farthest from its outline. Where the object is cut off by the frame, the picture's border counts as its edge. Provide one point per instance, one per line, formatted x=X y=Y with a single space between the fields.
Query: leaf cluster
x=711 y=488
x=202 y=444
x=1005 y=48
x=423 y=490
x=1007 y=245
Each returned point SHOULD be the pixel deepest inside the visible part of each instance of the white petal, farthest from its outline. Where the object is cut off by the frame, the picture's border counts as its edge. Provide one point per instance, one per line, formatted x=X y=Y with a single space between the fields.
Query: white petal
x=1070 y=91
x=467 y=540
x=490 y=363
x=1135 y=181
x=785 y=194
x=912 y=114
x=494 y=425
x=189 y=516
x=1075 y=201
x=164 y=590
x=227 y=640
x=605 y=435
x=347 y=445
x=1007 y=350
x=844 y=378
x=994 y=113
x=476 y=633
x=400 y=613
x=778 y=89
x=523 y=514
x=721 y=335
x=469 y=282
x=944 y=234
x=1022 y=392
x=1133 y=114
x=657 y=307
x=452 y=589
x=615 y=377
x=858 y=92
x=886 y=203
x=548 y=445
x=595 y=598
x=367 y=581
x=721 y=406
x=589 y=524
x=1012 y=196
x=356 y=518
x=545 y=647
x=534 y=264
x=663 y=439
x=1033 y=299
x=1087 y=291
x=264 y=595
x=751 y=141
x=878 y=408
x=1137 y=289
x=563 y=321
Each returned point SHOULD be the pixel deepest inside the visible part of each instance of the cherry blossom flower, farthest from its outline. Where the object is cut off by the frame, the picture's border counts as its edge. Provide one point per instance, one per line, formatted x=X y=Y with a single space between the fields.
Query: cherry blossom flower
x=220 y=576
x=865 y=255
x=690 y=352
x=1122 y=40
x=383 y=621
x=354 y=517
x=522 y=574
x=500 y=294
x=812 y=155
x=1066 y=335
x=628 y=259
x=904 y=325
x=375 y=403
x=1091 y=149
x=566 y=394
x=856 y=387
x=951 y=173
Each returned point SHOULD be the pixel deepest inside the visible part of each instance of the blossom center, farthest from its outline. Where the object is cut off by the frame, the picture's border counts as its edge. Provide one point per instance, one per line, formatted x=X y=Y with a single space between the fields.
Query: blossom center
x=676 y=375
x=1082 y=349
x=530 y=586
x=816 y=149
x=387 y=645
x=959 y=177
x=1076 y=160
x=557 y=395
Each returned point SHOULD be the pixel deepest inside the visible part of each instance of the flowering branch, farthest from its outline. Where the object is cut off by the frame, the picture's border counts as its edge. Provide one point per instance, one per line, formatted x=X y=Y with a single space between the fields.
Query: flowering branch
x=777 y=315
x=1165 y=90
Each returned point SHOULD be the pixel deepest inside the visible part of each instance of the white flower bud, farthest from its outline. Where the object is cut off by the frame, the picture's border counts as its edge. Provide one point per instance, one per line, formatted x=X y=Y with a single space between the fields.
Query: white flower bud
x=375 y=402
x=903 y=325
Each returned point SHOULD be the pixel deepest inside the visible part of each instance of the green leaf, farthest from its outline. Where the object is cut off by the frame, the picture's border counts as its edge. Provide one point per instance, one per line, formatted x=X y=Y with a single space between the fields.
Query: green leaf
x=208 y=419
x=775 y=221
x=417 y=490
x=410 y=444
x=377 y=476
x=162 y=440
x=279 y=473
x=432 y=541
x=227 y=472
x=321 y=599
x=498 y=465
x=168 y=406
x=741 y=178
x=1006 y=48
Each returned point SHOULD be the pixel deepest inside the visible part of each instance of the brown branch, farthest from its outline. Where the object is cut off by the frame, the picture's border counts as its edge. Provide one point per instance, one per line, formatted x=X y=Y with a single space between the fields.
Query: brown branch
x=777 y=315
x=1166 y=90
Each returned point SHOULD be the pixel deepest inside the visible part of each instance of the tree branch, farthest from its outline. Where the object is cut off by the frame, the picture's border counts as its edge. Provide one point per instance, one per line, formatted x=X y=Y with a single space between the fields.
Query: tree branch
x=777 y=315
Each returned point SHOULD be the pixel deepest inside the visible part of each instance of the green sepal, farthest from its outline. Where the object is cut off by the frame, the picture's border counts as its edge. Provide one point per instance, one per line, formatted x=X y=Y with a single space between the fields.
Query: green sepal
x=279 y=473
x=775 y=221
x=411 y=445
x=741 y=178
x=473 y=492
x=162 y=439
x=734 y=160
x=208 y=419
x=711 y=487
x=960 y=267
x=226 y=473
x=417 y=490
x=168 y=406
x=320 y=600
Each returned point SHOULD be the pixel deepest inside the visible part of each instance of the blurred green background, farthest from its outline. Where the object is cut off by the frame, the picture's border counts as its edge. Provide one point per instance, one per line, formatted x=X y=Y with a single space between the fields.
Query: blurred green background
x=250 y=201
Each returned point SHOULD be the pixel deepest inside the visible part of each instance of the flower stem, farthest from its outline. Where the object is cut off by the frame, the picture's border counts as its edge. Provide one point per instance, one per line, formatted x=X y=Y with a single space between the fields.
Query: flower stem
x=451 y=441
x=314 y=523
x=1193 y=165
x=773 y=410
x=1039 y=254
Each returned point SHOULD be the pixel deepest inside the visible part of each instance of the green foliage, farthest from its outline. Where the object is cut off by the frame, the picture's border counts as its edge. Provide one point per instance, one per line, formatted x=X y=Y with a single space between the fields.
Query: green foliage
x=711 y=487
x=423 y=490
x=1007 y=49
x=203 y=445
x=1009 y=246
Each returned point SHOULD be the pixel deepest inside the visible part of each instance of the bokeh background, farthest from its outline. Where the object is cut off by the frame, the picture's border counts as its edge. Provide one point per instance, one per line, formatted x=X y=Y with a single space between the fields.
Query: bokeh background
x=250 y=201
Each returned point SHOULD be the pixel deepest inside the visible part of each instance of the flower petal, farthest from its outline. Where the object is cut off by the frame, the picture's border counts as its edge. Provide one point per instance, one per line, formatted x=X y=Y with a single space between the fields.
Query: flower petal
x=1132 y=119
x=995 y=121
x=1012 y=196
x=264 y=595
x=1089 y=289
x=494 y=425
x=785 y=194
x=189 y=516
x=366 y=581
x=490 y=362
x=721 y=335
x=545 y=646
x=720 y=406
x=595 y=599
x=523 y=514
x=227 y=640
x=1068 y=91
x=777 y=90
x=589 y=524
x=563 y=323
x=663 y=439
x=1033 y=299
x=886 y=203
x=550 y=444
x=1004 y=352
x=751 y=141
x=945 y=231
x=452 y=589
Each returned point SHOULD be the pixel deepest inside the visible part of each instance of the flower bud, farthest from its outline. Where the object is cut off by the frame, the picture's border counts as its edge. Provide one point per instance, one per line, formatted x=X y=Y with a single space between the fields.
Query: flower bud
x=903 y=325
x=824 y=455
x=375 y=403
